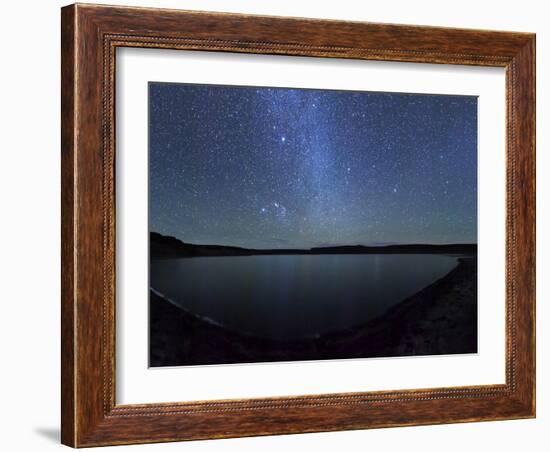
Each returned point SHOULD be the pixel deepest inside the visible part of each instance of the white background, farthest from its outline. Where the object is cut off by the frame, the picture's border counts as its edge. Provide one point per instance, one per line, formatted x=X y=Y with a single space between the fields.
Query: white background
x=138 y=384
x=30 y=186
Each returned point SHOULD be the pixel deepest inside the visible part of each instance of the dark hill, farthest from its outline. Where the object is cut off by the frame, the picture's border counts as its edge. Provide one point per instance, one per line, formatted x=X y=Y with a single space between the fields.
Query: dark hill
x=163 y=247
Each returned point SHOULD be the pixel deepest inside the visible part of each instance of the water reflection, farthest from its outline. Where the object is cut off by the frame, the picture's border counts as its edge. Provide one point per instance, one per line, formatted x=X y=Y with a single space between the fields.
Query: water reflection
x=295 y=296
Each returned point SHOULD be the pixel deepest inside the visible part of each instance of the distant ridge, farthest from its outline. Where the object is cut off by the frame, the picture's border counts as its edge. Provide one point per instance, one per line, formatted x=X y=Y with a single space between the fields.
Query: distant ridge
x=162 y=246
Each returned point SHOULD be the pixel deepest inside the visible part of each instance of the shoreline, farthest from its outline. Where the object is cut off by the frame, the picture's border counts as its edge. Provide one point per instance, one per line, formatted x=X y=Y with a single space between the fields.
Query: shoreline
x=439 y=319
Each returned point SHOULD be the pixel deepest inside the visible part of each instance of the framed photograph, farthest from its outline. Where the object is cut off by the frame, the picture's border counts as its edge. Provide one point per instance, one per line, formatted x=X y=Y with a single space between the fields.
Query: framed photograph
x=280 y=225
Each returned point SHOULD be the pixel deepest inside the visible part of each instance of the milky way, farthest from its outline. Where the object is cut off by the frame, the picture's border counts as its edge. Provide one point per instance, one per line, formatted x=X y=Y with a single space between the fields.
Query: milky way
x=295 y=168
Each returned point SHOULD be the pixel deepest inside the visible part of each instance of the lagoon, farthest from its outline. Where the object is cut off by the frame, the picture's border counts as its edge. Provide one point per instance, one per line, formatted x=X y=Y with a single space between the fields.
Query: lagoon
x=287 y=297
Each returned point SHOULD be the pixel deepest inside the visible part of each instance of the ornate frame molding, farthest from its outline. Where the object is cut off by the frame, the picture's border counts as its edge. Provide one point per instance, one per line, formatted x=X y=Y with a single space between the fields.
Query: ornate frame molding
x=90 y=36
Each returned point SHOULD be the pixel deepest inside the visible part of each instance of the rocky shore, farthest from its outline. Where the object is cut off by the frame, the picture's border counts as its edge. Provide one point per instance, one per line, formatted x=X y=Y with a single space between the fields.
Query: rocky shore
x=440 y=319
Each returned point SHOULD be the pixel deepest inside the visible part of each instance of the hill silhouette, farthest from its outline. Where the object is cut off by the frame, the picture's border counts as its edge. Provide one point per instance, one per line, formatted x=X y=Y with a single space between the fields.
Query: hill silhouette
x=162 y=247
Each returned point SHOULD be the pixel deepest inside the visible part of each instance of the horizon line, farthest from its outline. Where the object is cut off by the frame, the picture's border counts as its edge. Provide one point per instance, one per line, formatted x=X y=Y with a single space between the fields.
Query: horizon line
x=318 y=246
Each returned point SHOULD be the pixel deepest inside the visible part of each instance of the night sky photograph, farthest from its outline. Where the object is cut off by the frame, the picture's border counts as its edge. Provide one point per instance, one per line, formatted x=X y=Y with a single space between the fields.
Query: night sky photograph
x=298 y=224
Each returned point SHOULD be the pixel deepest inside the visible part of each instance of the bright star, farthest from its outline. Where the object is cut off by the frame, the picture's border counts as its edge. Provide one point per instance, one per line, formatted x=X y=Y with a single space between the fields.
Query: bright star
x=283 y=139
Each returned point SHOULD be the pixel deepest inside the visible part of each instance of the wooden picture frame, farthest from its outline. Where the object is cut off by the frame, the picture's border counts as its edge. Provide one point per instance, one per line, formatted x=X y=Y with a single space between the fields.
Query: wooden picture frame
x=90 y=36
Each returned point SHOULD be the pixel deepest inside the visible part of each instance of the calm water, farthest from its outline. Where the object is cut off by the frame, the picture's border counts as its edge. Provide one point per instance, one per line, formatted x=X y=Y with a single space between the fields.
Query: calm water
x=295 y=296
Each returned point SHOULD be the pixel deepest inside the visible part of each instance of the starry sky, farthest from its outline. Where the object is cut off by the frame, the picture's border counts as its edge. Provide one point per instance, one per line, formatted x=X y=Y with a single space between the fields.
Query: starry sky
x=262 y=167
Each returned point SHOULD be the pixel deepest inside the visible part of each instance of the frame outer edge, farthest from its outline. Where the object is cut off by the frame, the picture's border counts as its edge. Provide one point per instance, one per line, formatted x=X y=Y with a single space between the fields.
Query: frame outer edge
x=68 y=242
x=525 y=62
x=534 y=226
